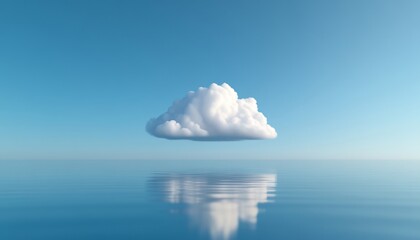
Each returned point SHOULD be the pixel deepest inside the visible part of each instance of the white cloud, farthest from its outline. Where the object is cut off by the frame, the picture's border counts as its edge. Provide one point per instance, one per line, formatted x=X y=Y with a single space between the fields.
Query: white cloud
x=213 y=113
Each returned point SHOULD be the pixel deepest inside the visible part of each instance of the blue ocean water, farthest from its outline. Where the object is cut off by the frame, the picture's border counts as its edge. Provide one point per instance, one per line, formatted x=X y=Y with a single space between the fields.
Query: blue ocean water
x=209 y=200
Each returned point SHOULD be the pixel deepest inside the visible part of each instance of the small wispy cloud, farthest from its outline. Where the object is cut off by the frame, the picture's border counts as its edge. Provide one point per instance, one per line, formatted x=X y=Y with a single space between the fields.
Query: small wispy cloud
x=212 y=114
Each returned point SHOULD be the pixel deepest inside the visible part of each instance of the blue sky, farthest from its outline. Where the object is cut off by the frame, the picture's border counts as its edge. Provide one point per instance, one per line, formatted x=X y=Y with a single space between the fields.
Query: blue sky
x=337 y=79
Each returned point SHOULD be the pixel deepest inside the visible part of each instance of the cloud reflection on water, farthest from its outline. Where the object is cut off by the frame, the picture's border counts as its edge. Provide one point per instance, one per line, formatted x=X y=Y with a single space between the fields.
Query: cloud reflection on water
x=218 y=203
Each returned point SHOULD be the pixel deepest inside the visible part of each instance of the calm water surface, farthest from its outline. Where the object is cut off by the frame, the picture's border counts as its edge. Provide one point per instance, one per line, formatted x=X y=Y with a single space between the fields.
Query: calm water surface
x=209 y=200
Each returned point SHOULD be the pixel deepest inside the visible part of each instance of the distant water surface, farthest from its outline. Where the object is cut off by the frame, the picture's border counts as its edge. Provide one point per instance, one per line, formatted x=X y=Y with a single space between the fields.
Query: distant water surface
x=209 y=200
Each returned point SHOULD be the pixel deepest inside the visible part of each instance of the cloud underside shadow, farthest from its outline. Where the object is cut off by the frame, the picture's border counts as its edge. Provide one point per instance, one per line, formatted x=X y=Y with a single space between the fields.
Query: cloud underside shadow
x=212 y=114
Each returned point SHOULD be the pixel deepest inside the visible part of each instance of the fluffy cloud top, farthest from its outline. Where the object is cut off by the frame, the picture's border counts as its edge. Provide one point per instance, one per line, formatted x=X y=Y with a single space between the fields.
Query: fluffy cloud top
x=213 y=113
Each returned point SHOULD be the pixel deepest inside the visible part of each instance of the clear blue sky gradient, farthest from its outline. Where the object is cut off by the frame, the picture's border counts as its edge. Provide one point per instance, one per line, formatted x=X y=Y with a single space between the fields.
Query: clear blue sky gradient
x=337 y=79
